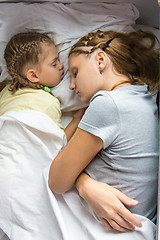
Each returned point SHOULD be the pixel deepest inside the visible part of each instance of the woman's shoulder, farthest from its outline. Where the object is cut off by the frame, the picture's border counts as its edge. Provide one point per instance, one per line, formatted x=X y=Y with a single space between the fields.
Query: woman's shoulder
x=103 y=99
x=102 y=106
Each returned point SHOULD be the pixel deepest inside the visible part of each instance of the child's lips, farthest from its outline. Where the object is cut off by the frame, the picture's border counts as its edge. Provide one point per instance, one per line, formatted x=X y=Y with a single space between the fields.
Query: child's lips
x=62 y=75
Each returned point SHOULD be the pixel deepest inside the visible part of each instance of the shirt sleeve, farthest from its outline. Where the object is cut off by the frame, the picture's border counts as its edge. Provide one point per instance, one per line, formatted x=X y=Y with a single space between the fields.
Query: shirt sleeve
x=54 y=112
x=102 y=119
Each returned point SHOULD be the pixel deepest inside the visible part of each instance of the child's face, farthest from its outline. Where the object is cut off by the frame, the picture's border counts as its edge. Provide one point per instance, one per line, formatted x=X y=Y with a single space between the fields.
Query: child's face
x=85 y=76
x=50 y=70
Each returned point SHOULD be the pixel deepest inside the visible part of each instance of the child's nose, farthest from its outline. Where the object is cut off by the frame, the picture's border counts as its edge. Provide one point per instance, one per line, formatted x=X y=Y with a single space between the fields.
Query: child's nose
x=61 y=66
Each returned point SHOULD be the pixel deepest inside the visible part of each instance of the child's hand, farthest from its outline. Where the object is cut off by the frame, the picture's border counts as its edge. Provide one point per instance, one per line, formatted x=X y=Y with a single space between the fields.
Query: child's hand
x=77 y=114
x=72 y=126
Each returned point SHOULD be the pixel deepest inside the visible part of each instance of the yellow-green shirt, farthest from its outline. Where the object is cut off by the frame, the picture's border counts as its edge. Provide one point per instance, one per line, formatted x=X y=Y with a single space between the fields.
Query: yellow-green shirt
x=30 y=99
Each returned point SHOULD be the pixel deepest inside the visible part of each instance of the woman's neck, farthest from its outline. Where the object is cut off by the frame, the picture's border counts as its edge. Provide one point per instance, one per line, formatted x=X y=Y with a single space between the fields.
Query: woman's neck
x=114 y=80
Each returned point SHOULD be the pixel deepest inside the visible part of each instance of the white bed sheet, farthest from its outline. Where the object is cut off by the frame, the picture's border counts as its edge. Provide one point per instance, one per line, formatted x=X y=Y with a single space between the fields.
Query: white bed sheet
x=30 y=210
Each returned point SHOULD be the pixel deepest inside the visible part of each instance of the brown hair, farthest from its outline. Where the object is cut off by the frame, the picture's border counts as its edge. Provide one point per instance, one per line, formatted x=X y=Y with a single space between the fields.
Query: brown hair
x=133 y=54
x=23 y=48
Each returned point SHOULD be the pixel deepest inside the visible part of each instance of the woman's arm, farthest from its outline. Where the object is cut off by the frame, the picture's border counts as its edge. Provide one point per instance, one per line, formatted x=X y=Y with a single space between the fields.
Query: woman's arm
x=72 y=160
x=107 y=203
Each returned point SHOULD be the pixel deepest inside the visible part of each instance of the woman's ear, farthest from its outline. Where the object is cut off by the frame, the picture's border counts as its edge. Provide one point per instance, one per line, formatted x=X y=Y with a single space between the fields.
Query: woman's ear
x=31 y=75
x=101 y=58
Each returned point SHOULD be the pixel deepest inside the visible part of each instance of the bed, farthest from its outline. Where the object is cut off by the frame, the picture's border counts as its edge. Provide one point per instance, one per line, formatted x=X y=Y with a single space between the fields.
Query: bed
x=59 y=17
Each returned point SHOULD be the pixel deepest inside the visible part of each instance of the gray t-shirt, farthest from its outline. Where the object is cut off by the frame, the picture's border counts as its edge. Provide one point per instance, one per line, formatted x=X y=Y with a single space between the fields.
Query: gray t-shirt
x=126 y=120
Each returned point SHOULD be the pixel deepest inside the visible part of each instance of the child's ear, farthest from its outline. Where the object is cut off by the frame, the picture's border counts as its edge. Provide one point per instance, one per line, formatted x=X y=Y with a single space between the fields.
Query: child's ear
x=31 y=75
x=101 y=58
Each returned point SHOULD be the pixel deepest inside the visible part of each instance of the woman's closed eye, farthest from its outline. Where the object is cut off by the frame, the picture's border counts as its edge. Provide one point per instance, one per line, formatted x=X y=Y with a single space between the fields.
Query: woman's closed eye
x=75 y=74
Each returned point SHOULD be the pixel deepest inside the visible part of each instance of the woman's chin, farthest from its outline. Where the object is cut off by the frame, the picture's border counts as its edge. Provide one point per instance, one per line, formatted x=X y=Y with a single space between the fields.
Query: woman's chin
x=85 y=101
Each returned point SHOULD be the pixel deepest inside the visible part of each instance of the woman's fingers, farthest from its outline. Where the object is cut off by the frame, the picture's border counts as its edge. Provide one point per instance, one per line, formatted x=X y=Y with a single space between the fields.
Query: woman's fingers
x=117 y=227
x=116 y=221
x=125 y=199
x=123 y=211
x=106 y=224
x=129 y=217
x=118 y=217
x=112 y=225
x=120 y=224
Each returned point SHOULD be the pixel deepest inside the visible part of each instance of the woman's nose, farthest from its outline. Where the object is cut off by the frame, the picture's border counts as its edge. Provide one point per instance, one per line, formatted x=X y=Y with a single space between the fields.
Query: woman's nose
x=72 y=84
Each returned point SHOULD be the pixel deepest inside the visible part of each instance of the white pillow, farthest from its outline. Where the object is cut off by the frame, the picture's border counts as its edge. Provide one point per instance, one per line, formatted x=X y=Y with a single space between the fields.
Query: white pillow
x=68 y=22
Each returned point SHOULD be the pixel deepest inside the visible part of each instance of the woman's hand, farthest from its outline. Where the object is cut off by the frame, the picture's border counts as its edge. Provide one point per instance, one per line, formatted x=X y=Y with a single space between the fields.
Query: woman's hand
x=107 y=203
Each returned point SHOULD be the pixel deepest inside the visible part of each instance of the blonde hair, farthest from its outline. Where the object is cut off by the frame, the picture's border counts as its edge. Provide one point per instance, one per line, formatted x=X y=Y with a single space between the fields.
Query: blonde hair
x=23 y=48
x=133 y=54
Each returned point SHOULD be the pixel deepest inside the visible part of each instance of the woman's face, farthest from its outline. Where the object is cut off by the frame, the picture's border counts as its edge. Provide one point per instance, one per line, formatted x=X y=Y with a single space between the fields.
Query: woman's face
x=85 y=77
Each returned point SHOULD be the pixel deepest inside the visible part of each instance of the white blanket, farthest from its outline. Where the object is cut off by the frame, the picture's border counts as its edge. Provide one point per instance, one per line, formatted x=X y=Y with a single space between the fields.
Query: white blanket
x=29 y=141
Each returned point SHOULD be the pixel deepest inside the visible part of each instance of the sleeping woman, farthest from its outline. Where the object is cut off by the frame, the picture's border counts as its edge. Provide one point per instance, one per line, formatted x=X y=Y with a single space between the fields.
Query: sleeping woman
x=116 y=141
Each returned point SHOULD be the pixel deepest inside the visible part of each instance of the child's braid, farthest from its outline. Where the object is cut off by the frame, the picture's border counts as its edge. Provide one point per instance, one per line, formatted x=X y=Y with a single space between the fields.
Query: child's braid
x=23 y=48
